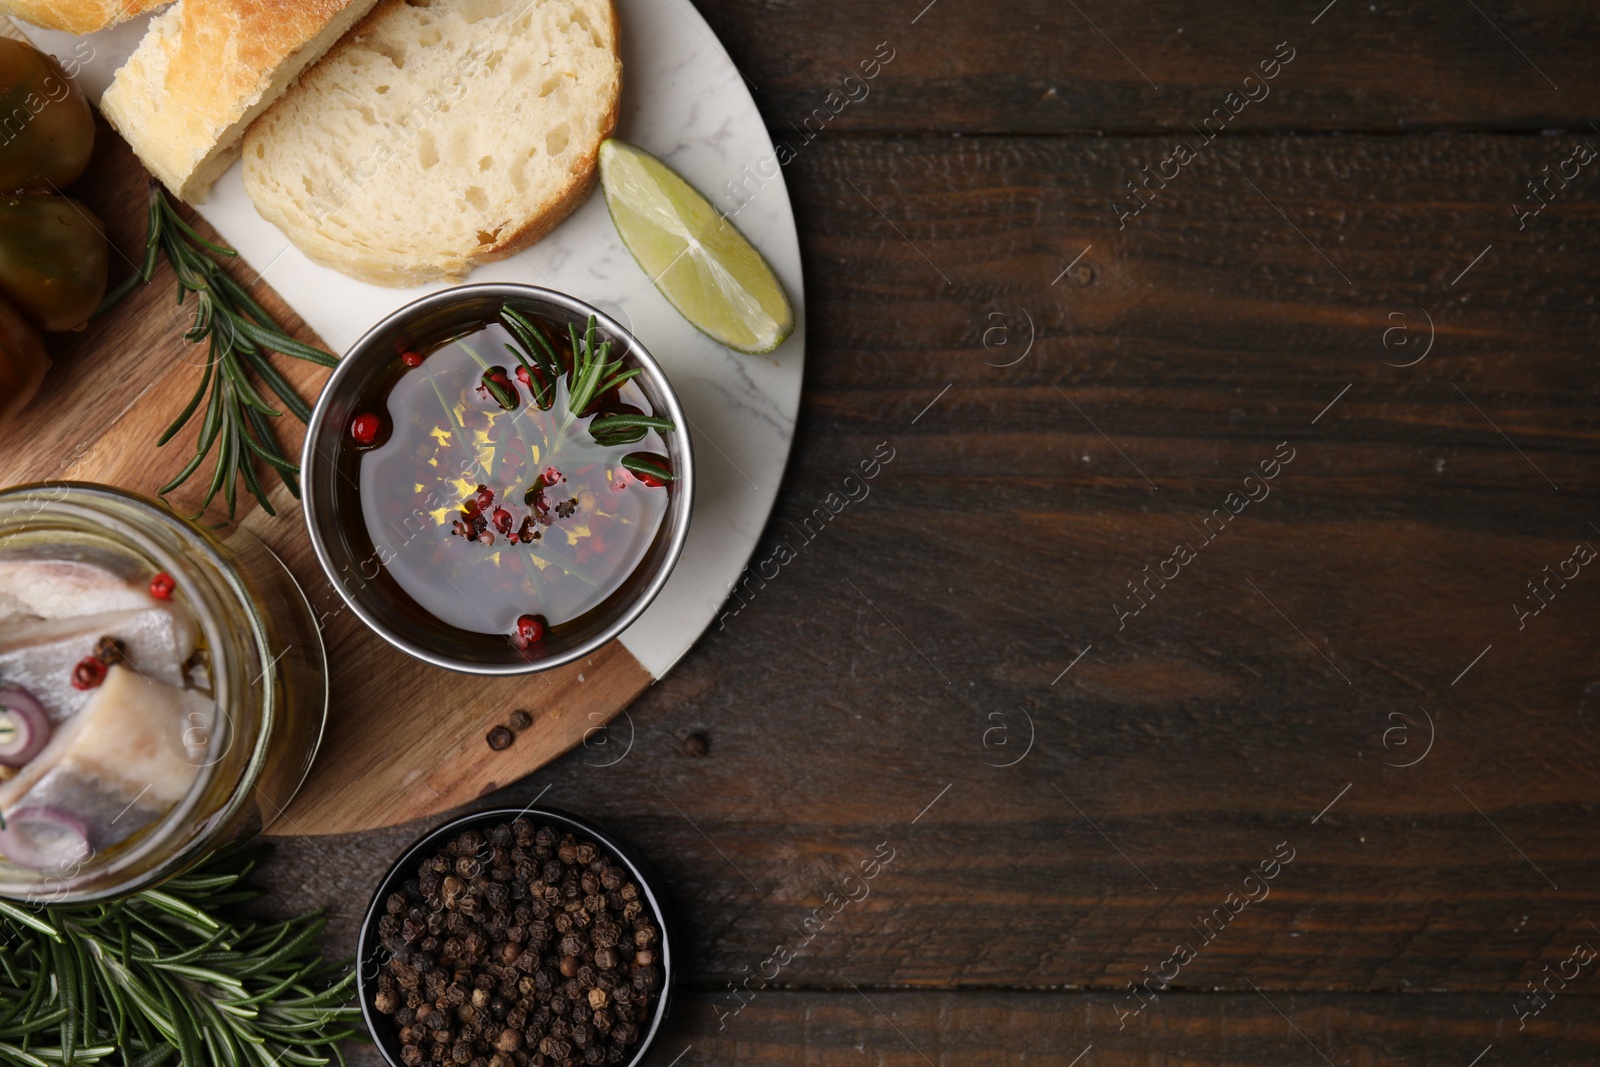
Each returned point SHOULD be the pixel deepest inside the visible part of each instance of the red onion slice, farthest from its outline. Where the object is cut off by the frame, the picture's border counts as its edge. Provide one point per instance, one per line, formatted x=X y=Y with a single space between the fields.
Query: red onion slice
x=24 y=727
x=43 y=838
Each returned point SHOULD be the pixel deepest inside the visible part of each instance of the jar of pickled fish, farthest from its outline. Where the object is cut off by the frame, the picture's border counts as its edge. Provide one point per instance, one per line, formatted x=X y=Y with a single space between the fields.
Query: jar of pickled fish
x=162 y=694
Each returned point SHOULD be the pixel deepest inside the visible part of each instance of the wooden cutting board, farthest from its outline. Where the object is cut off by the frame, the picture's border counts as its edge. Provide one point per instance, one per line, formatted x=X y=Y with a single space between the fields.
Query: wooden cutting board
x=403 y=739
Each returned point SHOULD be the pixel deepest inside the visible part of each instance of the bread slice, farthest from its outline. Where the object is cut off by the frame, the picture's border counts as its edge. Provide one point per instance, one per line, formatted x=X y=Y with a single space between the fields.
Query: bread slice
x=440 y=134
x=77 y=16
x=205 y=69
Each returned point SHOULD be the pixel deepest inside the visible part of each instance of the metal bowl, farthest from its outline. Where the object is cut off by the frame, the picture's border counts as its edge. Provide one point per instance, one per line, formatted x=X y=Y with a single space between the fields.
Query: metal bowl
x=372 y=955
x=332 y=502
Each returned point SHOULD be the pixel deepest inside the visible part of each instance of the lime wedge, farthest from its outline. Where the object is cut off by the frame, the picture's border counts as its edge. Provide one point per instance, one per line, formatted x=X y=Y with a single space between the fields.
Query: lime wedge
x=698 y=259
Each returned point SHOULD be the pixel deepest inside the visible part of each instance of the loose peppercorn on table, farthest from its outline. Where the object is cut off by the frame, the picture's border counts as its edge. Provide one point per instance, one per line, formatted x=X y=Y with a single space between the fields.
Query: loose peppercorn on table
x=1206 y=671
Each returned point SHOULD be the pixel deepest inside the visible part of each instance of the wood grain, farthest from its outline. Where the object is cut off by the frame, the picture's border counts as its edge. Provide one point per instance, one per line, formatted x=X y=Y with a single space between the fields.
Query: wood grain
x=403 y=739
x=843 y=696
x=1043 y=67
x=899 y=1029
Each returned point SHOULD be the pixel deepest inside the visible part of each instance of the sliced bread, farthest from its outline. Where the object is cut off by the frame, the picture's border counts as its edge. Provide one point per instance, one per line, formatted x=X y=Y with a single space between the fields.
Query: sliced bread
x=440 y=134
x=76 y=16
x=205 y=70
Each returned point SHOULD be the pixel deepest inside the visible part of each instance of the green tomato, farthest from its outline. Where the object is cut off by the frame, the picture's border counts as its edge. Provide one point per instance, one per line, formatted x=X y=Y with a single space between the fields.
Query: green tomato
x=23 y=361
x=46 y=127
x=52 y=260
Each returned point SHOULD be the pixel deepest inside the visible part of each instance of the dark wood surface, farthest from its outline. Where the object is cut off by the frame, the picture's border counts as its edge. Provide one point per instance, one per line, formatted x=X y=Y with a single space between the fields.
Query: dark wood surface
x=875 y=689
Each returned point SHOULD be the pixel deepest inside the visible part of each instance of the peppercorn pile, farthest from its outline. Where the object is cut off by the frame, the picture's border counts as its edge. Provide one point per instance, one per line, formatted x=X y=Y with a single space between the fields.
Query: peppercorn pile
x=522 y=947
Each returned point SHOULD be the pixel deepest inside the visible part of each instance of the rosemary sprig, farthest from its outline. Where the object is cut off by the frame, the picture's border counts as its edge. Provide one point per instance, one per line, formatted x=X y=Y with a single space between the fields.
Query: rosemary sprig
x=175 y=975
x=238 y=334
x=593 y=374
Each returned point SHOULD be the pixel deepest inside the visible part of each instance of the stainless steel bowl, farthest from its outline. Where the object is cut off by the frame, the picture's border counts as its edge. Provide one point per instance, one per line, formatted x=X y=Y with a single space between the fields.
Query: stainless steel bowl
x=330 y=492
x=372 y=955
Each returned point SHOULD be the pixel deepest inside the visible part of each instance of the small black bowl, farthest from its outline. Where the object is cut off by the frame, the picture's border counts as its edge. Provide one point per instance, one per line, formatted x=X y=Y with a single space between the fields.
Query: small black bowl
x=385 y=1034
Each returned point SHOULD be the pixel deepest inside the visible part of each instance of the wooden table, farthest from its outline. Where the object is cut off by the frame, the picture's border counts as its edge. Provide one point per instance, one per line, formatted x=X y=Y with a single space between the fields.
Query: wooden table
x=1344 y=666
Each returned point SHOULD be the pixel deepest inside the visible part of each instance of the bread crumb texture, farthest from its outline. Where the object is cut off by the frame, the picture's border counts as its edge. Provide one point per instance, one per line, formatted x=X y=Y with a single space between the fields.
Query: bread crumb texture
x=439 y=134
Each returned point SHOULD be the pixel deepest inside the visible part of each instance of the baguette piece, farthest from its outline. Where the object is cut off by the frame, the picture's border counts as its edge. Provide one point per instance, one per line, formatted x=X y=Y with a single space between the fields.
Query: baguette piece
x=440 y=135
x=77 y=16
x=205 y=69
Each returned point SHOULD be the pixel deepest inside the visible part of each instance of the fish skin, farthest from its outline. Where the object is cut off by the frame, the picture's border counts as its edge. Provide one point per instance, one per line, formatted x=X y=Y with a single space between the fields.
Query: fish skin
x=38 y=655
x=64 y=588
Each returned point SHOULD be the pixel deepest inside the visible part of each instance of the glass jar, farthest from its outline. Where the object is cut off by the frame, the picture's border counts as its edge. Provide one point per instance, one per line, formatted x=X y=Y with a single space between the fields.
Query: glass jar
x=258 y=669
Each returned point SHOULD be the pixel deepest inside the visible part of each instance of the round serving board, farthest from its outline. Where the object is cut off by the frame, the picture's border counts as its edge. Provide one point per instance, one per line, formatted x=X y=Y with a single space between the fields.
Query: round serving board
x=405 y=739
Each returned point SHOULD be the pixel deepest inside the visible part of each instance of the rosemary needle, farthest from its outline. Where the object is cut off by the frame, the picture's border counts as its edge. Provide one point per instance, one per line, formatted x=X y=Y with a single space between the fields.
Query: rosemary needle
x=170 y=976
x=238 y=334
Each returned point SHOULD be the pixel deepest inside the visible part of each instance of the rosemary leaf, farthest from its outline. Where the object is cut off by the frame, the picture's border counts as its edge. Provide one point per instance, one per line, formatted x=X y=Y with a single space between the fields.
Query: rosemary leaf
x=617 y=422
x=636 y=463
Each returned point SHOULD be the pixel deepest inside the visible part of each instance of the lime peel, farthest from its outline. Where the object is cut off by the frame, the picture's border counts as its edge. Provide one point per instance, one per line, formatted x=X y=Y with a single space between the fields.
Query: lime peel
x=702 y=264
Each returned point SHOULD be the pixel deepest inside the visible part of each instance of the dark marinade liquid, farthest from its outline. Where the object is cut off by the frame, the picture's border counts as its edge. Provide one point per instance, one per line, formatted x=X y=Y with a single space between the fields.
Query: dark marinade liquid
x=483 y=515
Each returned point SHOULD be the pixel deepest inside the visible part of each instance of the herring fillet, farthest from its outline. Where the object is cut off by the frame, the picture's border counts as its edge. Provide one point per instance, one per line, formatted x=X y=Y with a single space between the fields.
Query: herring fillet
x=121 y=762
x=39 y=655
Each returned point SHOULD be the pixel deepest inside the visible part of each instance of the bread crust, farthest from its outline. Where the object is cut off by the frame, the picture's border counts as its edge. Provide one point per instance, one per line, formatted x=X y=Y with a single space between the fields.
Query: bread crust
x=77 y=16
x=582 y=184
x=371 y=266
x=205 y=69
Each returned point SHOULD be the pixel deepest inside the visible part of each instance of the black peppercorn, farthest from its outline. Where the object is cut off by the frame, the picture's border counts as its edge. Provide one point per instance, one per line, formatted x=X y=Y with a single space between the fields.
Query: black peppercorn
x=695 y=746
x=520 y=720
x=500 y=738
x=517 y=947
